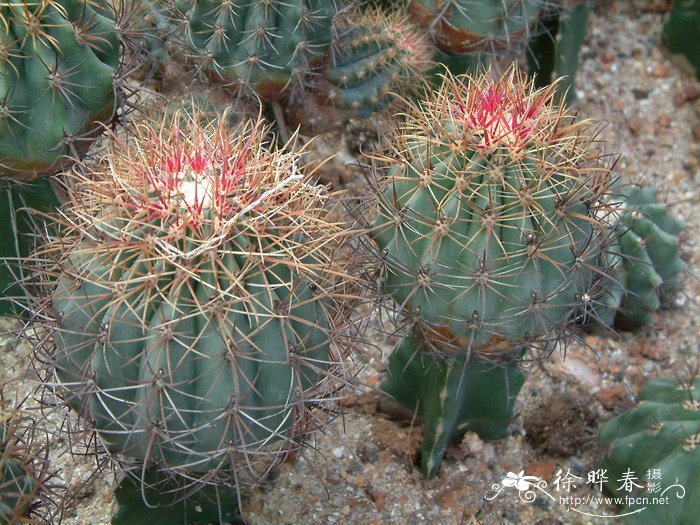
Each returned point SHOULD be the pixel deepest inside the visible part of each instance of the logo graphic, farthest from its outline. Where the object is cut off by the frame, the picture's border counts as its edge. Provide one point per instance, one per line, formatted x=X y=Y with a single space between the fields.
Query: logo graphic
x=530 y=487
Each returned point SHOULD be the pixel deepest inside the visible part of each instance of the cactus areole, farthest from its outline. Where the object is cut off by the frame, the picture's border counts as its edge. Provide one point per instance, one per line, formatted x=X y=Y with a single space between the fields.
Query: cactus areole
x=487 y=218
x=195 y=299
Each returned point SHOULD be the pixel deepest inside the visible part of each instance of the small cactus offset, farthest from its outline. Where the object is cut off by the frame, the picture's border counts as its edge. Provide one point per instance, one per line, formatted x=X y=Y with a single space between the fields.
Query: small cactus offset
x=58 y=60
x=266 y=47
x=198 y=292
x=488 y=222
x=374 y=57
x=476 y=26
x=661 y=433
x=645 y=257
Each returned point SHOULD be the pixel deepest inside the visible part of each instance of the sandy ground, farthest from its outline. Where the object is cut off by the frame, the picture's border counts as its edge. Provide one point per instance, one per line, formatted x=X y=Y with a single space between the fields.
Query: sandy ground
x=362 y=469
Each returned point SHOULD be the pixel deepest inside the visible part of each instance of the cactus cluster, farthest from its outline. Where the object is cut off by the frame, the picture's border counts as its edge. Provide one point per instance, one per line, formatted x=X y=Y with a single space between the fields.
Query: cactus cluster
x=58 y=60
x=195 y=301
x=645 y=257
x=662 y=434
x=488 y=222
x=197 y=289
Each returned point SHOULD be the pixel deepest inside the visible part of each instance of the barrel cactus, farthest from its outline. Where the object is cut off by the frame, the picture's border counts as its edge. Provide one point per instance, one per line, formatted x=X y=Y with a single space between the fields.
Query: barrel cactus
x=58 y=60
x=489 y=223
x=657 y=443
x=198 y=300
x=374 y=57
x=266 y=47
x=476 y=26
x=645 y=256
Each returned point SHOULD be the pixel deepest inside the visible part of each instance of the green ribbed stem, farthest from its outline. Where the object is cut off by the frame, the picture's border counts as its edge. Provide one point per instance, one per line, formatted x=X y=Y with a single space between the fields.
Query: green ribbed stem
x=661 y=433
x=166 y=504
x=200 y=365
x=453 y=394
x=264 y=46
x=56 y=89
x=23 y=227
x=646 y=259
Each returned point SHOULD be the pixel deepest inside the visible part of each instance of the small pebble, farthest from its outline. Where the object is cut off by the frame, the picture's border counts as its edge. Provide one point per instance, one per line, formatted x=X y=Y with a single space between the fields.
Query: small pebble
x=659 y=71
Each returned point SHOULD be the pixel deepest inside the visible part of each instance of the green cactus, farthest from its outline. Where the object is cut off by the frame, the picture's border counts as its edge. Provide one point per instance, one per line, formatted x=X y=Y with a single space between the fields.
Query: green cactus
x=555 y=47
x=58 y=60
x=476 y=26
x=197 y=307
x=374 y=57
x=661 y=433
x=680 y=34
x=17 y=487
x=487 y=219
x=18 y=204
x=645 y=258
x=488 y=231
x=168 y=504
x=269 y=47
x=452 y=395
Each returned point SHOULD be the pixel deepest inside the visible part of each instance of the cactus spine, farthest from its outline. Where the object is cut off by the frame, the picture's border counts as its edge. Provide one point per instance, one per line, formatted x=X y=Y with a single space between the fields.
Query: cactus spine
x=488 y=219
x=197 y=300
x=57 y=65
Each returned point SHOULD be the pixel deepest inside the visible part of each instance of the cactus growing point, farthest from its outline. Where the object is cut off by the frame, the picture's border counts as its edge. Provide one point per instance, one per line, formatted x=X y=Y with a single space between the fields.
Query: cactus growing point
x=197 y=298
